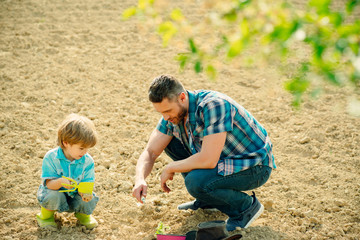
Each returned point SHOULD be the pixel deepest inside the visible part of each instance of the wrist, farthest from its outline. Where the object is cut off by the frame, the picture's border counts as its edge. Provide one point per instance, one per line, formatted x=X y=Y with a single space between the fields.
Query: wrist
x=169 y=168
x=139 y=180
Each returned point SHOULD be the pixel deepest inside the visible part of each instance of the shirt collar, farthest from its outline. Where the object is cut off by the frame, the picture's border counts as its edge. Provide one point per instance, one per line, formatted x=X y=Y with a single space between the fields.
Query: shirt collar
x=192 y=107
x=61 y=156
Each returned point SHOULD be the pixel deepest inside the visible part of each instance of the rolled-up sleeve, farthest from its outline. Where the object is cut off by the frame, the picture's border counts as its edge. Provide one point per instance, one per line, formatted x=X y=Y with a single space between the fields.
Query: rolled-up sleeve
x=217 y=117
x=49 y=169
x=164 y=127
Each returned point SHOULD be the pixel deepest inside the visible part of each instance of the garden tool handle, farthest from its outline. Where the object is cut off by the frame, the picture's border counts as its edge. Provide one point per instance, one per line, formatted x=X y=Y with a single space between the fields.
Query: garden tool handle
x=75 y=185
x=70 y=185
x=70 y=179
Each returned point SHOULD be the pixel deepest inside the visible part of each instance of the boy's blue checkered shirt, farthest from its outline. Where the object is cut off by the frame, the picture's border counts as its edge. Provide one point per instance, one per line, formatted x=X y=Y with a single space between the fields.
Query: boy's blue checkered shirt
x=247 y=143
x=55 y=165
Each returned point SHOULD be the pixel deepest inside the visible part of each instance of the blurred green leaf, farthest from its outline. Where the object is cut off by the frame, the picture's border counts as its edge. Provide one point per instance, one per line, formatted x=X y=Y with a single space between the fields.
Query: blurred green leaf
x=244 y=27
x=319 y=49
x=182 y=58
x=297 y=85
x=355 y=77
x=322 y=6
x=235 y=48
x=351 y=4
x=336 y=19
x=243 y=3
x=231 y=16
x=176 y=15
x=332 y=37
x=355 y=48
x=211 y=72
x=129 y=12
x=284 y=31
x=192 y=45
x=143 y=4
x=167 y=30
x=198 y=66
x=349 y=29
x=341 y=44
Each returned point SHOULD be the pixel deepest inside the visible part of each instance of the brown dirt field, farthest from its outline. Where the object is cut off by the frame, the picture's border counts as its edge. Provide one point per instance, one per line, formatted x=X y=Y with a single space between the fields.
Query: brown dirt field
x=60 y=57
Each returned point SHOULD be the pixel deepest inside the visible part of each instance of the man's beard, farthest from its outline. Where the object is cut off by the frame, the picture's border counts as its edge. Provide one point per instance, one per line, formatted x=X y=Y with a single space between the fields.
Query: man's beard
x=182 y=114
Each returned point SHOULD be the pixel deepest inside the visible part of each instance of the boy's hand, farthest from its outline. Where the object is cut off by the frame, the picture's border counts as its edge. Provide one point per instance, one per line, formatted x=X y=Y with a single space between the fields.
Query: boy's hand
x=86 y=197
x=65 y=181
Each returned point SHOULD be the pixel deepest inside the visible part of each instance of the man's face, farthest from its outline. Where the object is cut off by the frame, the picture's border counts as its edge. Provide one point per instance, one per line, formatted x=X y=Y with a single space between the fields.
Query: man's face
x=174 y=111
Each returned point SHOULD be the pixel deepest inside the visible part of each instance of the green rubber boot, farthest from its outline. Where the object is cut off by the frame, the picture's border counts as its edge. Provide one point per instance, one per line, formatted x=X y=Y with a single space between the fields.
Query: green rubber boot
x=45 y=219
x=86 y=220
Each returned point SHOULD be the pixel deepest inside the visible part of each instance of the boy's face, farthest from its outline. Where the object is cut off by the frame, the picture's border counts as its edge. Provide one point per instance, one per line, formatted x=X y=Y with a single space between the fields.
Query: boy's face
x=74 y=151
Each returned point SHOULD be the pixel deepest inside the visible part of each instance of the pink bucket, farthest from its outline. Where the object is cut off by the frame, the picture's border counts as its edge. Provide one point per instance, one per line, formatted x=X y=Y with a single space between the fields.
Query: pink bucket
x=170 y=237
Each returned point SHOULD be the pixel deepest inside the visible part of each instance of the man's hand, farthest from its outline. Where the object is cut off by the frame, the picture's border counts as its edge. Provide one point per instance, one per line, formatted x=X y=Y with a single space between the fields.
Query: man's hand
x=166 y=175
x=139 y=190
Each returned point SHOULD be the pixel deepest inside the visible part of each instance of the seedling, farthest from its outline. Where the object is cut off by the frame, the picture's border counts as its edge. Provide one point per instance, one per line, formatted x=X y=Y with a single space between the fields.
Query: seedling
x=161 y=228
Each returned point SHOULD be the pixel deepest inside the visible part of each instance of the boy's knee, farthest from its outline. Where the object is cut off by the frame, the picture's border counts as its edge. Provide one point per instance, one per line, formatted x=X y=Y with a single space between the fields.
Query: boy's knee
x=53 y=200
x=54 y=196
x=84 y=207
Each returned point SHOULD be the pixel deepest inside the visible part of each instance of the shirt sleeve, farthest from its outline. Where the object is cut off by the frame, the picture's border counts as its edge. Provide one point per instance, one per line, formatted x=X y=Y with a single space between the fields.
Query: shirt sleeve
x=164 y=127
x=49 y=169
x=217 y=116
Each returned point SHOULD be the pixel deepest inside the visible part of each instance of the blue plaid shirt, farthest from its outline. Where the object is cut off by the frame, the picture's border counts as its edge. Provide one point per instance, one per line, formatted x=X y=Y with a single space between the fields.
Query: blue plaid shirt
x=247 y=143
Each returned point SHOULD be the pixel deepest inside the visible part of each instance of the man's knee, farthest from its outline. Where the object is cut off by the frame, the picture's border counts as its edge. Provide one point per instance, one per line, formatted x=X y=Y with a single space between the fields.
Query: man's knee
x=195 y=184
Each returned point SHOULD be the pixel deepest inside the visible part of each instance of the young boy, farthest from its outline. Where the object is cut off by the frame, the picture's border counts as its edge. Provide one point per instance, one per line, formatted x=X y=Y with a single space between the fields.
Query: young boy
x=76 y=135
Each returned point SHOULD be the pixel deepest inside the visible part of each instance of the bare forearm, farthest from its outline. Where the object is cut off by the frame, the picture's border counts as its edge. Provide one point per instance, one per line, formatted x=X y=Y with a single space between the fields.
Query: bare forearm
x=196 y=161
x=54 y=184
x=207 y=158
x=144 y=165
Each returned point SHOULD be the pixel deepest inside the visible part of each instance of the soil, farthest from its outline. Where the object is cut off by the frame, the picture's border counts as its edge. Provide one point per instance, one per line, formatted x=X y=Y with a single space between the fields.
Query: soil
x=60 y=57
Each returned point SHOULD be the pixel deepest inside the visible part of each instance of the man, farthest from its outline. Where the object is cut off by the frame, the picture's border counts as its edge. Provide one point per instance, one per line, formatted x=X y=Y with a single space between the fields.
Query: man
x=217 y=145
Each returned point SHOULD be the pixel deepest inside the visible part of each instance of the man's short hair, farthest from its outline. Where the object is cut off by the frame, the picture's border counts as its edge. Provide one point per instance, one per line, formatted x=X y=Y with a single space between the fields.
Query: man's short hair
x=76 y=129
x=165 y=86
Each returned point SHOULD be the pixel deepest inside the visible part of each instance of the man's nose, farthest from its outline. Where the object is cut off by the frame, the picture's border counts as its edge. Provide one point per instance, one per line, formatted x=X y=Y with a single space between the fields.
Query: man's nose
x=166 y=117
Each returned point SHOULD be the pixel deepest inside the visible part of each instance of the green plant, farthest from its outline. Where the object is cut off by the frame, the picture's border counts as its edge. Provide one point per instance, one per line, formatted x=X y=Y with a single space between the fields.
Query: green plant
x=161 y=228
x=272 y=30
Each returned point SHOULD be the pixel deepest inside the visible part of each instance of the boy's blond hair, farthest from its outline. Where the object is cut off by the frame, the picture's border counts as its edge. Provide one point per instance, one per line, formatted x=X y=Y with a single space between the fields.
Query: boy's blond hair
x=77 y=129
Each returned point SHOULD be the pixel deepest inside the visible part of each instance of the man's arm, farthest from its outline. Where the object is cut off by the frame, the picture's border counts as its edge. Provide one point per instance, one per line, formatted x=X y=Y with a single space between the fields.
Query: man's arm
x=155 y=146
x=207 y=158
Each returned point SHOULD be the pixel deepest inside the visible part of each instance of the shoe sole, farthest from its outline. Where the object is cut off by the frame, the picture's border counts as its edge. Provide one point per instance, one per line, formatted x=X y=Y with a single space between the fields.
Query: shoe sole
x=205 y=209
x=211 y=209
x=261 y=210
x=48 y=226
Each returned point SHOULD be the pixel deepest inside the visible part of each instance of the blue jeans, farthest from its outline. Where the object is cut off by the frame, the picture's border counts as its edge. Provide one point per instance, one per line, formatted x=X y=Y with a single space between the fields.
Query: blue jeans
x=222 y=192
x=61 y=202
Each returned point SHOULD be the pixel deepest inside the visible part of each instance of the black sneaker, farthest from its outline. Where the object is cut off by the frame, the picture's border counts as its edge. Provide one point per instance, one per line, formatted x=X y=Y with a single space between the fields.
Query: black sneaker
x=246 y=217
x=194 y=205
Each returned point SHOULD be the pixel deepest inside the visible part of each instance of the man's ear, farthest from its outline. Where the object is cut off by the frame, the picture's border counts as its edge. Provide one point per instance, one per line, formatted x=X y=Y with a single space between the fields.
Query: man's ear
x=182 y=97
x=66 y=144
